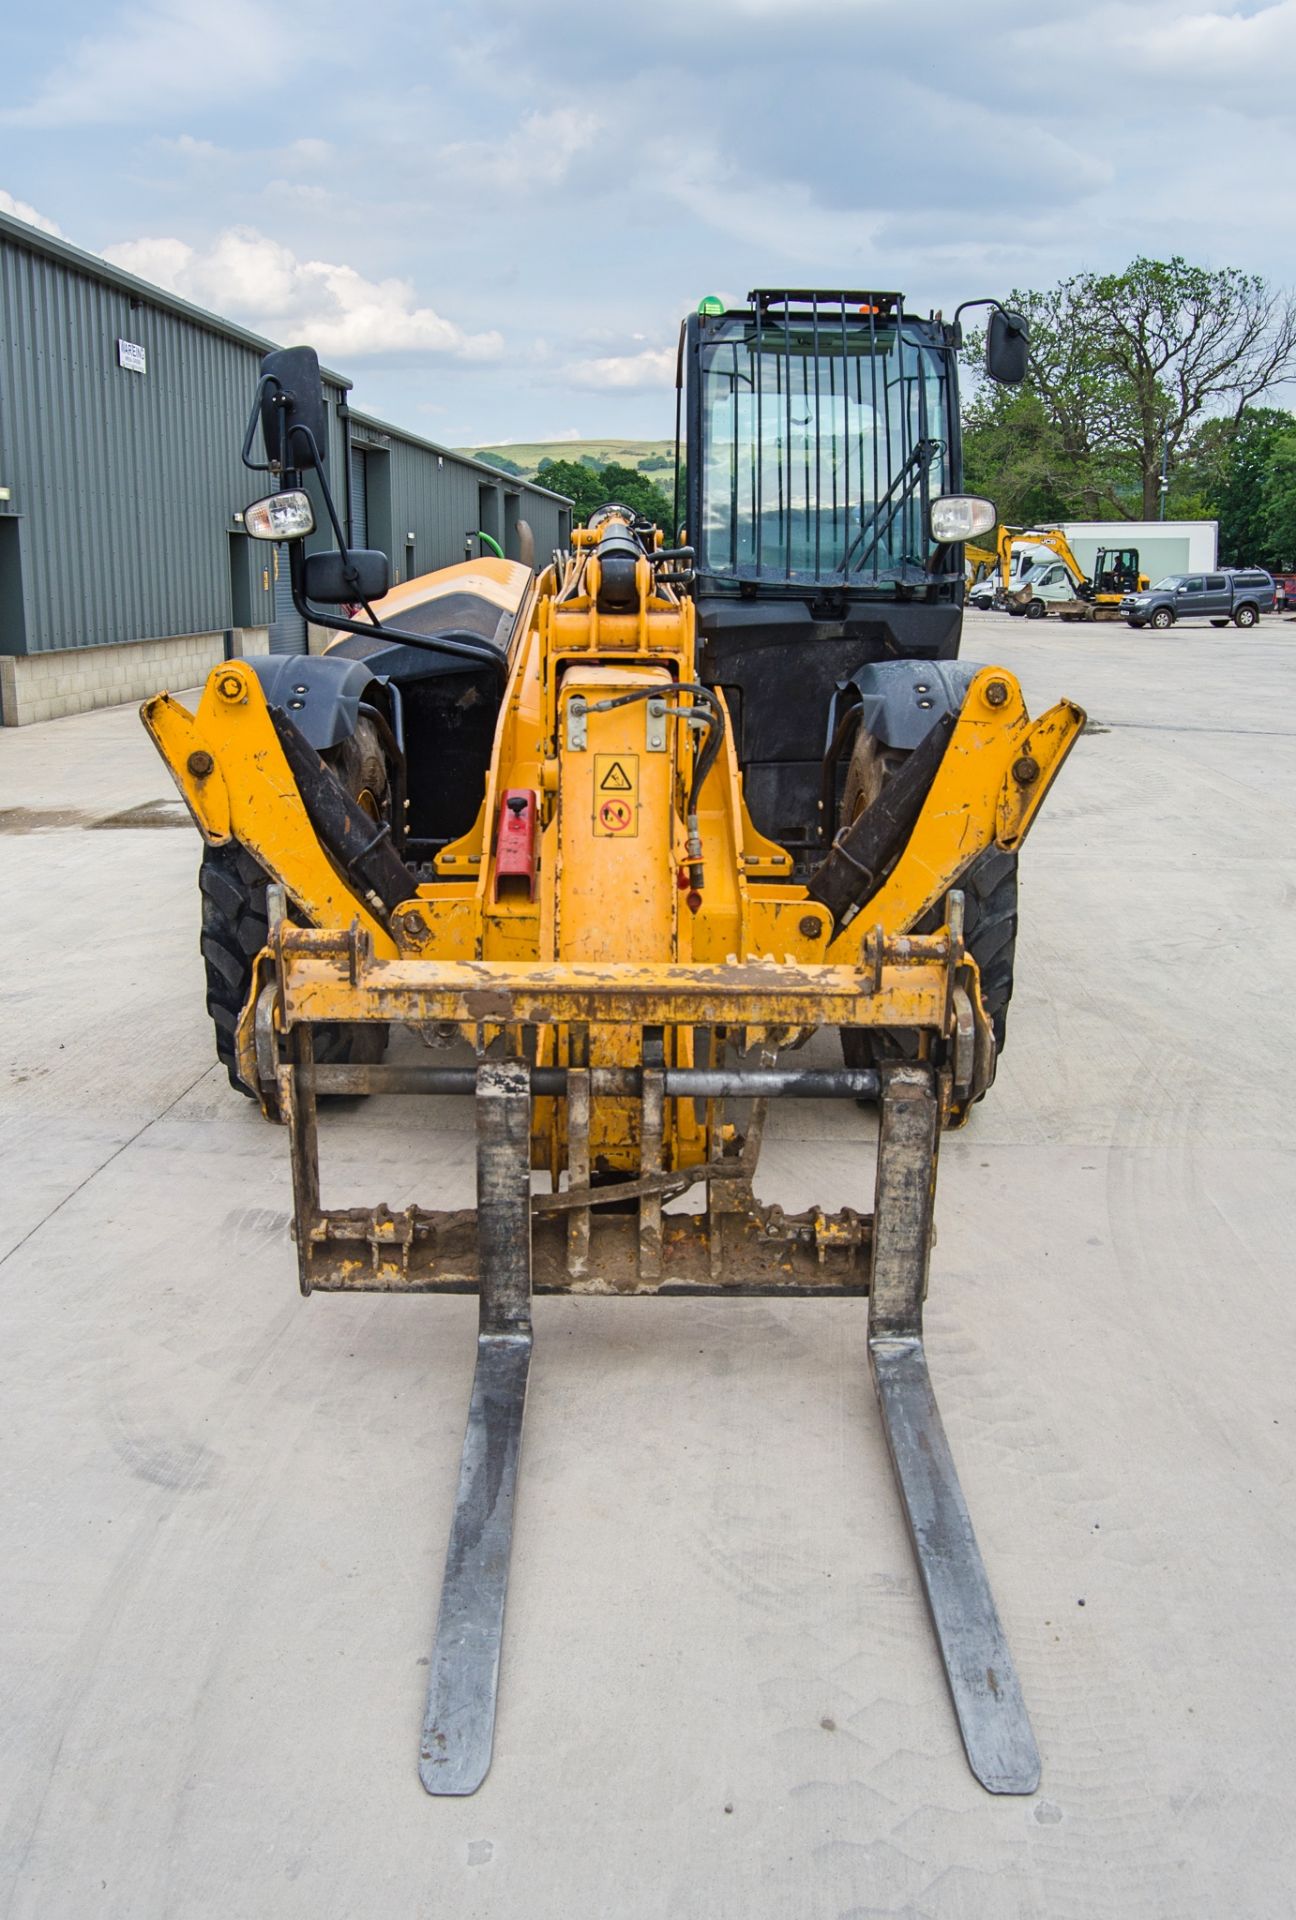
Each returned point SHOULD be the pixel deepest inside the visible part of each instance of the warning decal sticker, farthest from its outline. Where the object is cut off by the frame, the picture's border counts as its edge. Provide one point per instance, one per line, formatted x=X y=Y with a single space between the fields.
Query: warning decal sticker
x=616 y=795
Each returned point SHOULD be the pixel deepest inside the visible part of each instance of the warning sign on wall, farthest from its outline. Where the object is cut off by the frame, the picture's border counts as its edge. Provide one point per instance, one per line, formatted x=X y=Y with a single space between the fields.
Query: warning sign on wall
x=616 y=795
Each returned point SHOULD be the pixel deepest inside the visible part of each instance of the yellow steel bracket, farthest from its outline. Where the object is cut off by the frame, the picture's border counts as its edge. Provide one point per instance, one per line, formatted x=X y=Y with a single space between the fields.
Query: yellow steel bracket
x=988 y=788
x=1036 y=764
x=174 y=732
x=230 y=769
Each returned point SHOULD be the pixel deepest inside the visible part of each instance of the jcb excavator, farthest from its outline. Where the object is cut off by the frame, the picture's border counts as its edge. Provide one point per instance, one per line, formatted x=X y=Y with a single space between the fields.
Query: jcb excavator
x=633 y=829
x=1069 y=592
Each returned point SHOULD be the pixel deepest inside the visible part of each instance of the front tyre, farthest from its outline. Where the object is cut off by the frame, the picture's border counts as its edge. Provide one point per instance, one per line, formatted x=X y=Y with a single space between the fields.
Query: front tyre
x=235 y=922
x=989 y=889
x=1035 y=610
x=235 y=927
x=1162 y=619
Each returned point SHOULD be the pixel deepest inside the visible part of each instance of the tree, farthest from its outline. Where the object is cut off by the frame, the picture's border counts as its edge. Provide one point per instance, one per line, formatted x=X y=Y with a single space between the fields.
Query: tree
x=1127 y=366
x=1235 y=471
x=588 y=490
x=1277 y=529
x=1244 y=502
x=500 y=460
x=1016 y=455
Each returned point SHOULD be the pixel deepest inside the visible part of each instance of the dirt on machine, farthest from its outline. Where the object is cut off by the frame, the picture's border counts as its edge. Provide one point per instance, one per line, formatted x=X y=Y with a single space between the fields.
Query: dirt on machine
x=630 y=830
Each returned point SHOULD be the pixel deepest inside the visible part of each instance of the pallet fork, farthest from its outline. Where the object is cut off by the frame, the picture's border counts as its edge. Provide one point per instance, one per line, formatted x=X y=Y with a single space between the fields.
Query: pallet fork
x=518 y=1244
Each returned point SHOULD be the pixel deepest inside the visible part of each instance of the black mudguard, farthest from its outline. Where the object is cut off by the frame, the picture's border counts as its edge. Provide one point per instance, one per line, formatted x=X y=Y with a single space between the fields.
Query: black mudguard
x=901 y=700
x=320 y=693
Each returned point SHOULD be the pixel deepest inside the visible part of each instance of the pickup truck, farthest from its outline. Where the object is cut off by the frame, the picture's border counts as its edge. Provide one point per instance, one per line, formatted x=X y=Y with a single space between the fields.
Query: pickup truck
x=1236 y=593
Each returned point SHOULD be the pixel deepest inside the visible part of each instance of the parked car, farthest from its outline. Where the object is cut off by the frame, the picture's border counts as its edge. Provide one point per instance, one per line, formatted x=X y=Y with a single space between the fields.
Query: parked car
x=1239 y=594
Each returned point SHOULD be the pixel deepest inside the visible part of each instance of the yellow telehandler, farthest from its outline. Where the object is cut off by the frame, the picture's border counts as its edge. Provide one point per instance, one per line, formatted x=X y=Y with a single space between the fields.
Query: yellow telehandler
x=634 y=828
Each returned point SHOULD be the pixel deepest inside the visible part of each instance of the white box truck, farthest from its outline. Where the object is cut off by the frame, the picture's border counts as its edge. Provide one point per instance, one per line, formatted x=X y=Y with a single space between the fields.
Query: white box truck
x=1164 y=546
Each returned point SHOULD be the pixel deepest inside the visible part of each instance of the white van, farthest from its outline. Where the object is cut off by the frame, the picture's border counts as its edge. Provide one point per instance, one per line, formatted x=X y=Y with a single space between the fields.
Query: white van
x=1048 y=583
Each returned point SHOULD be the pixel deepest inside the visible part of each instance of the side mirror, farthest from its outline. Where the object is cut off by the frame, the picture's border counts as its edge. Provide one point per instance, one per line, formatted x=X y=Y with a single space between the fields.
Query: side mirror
x=1007 y=347
x=294 y=418
x=335 y=582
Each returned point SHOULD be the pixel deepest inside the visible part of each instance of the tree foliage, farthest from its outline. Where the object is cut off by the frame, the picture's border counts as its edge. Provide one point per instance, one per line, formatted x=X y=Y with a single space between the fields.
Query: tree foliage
x=1278 y=523
x=500 y=461
x=589 y=490
x=1126 y=370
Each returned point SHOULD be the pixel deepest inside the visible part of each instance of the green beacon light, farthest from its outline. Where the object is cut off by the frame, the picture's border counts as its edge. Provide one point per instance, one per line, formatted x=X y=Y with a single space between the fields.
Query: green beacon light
x=711 y=304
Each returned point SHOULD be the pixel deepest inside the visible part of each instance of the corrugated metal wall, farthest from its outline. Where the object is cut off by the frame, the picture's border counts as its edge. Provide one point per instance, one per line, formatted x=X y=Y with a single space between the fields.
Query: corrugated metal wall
x=421 y=492
x=124 y=485
x=126 y=482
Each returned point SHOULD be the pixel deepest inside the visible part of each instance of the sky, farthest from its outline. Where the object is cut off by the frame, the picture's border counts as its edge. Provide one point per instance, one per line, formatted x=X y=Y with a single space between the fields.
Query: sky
x=493 y=218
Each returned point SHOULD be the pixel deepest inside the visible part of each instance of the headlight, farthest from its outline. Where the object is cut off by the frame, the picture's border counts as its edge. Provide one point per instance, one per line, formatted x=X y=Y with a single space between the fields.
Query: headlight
x=283 y=516
x=960 y=516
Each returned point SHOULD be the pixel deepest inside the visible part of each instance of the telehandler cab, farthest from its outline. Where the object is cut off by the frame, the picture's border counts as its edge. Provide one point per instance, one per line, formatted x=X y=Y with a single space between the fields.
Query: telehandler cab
x=634 y=828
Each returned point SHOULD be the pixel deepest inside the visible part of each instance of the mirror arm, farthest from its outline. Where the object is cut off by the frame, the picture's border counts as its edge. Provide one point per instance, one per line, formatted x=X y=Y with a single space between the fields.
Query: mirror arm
x=352 y=577
x=963 y=306
x=254 y=421
x=460 y=646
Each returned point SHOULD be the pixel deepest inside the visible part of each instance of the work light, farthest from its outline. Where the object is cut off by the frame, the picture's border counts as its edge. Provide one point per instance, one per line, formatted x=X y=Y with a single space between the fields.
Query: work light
x=281 y=516
x=960 y=516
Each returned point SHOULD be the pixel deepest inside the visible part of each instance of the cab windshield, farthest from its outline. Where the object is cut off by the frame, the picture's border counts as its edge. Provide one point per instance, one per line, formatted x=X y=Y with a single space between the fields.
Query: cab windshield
x=1168 y=585
x=824 y=440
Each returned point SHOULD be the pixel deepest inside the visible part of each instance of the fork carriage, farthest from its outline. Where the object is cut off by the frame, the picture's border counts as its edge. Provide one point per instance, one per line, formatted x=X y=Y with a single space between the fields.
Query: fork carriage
x=616 y=1239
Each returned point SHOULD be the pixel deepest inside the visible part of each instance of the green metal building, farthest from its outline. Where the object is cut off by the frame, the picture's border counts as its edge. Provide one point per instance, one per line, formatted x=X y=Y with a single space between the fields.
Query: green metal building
x=123 y=563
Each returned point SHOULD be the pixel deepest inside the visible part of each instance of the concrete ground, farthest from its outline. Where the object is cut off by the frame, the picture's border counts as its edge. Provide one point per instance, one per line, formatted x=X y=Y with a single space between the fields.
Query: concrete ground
x=225 y=1509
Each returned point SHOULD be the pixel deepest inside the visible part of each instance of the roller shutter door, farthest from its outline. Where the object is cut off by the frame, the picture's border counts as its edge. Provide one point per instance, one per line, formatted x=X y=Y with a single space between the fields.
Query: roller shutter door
x=359 y=498
x=287 y=629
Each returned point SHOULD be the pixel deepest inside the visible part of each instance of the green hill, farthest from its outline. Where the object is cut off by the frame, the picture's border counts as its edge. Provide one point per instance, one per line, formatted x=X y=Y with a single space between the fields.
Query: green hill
x=526 y=456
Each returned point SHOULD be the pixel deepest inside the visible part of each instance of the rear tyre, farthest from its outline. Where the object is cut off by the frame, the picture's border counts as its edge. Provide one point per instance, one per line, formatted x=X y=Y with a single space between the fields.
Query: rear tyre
x=1245 y=617
x=235 y=924
x=1162 y=618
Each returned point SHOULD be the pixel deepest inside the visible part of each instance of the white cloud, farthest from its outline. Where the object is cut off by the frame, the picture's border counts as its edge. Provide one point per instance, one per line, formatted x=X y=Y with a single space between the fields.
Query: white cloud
x=1180 y=41
x=21 y=211
x=309 y=154
x=761 y=214
x=655 y=368
x=537 y=153
x=253 y=278
x=168 y=55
